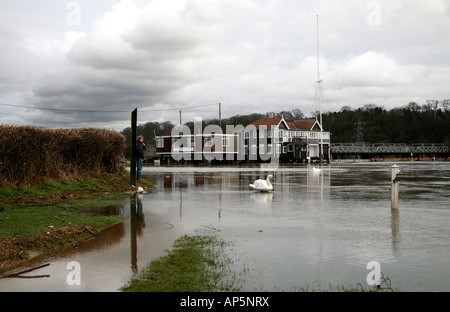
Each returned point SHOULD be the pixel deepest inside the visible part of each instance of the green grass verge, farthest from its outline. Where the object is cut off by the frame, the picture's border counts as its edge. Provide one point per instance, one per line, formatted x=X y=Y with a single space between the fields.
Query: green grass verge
x=28 y=221
x=62 y=190
x=195 y=264
x=29 y=211
x=56 y=214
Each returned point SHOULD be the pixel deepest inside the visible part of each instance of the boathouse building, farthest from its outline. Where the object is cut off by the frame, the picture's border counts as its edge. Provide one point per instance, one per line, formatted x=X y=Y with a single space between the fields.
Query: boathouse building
x=264 y=140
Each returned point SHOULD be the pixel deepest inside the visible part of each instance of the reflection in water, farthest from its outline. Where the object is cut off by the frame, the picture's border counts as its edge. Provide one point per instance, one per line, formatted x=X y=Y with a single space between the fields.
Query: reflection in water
x=262 y=198
x=395 y=225
x=137 y=225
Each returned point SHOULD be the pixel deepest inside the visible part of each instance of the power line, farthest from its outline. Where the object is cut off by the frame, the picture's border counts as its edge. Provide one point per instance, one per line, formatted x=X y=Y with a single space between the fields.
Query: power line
x=104 y=111
x=177 y=108
x=62 y=109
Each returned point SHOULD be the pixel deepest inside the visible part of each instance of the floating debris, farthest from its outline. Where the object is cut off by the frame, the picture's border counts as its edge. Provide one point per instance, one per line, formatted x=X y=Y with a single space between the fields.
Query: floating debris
x=212 y=227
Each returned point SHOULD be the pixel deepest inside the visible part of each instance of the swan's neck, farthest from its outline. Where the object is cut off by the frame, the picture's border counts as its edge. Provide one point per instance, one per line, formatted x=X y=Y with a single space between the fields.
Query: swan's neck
x=268 y=182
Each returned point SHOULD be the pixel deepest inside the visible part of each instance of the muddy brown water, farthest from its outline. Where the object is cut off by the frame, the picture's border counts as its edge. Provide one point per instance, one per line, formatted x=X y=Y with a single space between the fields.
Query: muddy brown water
x=313 y=229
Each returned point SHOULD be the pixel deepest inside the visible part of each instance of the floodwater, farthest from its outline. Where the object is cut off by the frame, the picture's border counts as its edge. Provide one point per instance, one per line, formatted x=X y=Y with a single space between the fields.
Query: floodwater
x=313 y=229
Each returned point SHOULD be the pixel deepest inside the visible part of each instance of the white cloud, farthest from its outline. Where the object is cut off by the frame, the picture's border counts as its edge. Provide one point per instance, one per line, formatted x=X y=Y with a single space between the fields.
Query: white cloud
x=378 y=70
x=63 y=46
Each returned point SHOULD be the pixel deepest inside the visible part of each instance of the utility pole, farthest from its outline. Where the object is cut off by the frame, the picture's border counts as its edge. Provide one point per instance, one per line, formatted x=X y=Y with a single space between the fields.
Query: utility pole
x=220 y=115
x=133 y=147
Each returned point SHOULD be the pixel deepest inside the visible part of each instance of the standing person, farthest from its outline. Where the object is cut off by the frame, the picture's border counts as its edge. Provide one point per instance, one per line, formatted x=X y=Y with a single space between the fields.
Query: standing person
x=140 y=147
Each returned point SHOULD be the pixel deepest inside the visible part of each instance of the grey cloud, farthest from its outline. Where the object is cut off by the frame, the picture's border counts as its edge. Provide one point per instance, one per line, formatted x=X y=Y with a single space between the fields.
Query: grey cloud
x=145 y=62
x=252 y=56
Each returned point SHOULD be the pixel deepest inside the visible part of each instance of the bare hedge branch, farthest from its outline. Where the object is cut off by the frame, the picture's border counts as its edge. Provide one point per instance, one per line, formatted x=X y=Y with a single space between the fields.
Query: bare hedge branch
x=31 y=155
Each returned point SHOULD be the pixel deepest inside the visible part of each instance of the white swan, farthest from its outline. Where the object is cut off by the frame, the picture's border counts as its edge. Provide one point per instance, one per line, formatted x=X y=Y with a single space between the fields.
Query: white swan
x=263 y=185
x=316 y=170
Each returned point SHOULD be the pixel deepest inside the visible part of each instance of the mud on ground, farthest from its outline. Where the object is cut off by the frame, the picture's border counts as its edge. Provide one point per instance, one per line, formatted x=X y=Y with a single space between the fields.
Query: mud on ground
x=16 y=250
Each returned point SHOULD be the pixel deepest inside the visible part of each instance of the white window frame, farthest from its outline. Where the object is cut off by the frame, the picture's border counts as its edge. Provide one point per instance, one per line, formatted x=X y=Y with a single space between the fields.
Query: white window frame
x=208 y=141
x=226 y=140
x=261 y=149
x=278 y=149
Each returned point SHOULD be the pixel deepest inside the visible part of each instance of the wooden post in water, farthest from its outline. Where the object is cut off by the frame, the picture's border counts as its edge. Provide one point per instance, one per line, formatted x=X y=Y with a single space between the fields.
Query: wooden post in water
x=394 y=186
x=133 y=147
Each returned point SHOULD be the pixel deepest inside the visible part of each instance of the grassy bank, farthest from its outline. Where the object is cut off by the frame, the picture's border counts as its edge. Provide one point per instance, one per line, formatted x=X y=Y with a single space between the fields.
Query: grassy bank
x=195 y=264
x=56 y=214
x=65 y=190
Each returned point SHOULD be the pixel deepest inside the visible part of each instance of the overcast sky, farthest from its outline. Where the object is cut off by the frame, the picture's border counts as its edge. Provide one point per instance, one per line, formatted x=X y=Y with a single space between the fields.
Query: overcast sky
x=253 y=56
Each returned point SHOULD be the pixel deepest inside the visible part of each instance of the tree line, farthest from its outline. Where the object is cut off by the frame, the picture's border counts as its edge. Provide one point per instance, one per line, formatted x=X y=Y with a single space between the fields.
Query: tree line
x=412 y=123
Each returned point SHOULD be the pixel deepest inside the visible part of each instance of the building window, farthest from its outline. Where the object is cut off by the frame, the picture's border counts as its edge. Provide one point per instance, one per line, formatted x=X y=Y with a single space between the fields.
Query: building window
x=261 y=149
x=290 y=148
x=225 y=141
x=253 y=150
x=208 y=141
x=159 y=142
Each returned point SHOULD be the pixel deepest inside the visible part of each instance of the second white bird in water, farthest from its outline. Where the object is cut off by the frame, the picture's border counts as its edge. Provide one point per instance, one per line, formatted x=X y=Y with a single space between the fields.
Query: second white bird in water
x=263 y=185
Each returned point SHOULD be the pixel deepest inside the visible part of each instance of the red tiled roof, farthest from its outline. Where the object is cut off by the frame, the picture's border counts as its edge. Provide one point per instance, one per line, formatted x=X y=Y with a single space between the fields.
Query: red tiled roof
x=269 y=121
x=306 y=124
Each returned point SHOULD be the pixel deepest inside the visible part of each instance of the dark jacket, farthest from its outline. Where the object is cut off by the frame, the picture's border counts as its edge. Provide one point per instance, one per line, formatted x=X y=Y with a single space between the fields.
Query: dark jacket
x=140 y=150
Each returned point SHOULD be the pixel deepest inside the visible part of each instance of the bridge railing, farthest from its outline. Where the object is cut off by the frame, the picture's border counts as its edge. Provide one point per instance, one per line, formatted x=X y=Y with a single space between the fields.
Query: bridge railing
x=389 y=148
